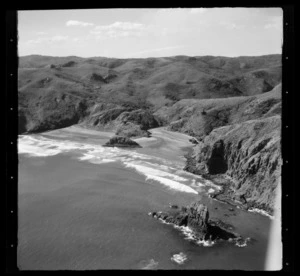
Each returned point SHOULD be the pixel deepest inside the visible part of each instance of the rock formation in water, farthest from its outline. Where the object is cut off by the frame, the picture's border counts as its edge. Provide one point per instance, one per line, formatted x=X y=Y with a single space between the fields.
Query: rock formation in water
x=120 y=141
x=196 y=217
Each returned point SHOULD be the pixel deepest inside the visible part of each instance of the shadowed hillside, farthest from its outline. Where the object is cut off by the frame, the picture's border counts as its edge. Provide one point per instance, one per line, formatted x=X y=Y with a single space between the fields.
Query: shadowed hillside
x=199 y=117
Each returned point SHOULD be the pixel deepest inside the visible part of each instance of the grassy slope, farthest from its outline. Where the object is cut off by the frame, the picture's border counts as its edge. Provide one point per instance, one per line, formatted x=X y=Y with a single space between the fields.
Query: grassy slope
x=199 y=117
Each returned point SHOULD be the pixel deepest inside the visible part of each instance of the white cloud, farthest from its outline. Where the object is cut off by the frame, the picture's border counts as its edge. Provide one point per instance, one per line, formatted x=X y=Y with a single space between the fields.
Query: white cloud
x=119 y=29
x=274 y=23
x=78 y=23
x=126 y=29
x=53 y=39
x=121 y=26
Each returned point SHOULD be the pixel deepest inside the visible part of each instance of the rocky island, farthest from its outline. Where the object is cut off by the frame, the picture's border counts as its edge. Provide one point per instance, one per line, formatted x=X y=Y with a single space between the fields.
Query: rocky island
x=122 y=142
x=196 y=217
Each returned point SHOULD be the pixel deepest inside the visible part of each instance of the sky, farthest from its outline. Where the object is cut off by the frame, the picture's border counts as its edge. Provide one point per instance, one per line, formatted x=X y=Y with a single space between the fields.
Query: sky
x=142 y=33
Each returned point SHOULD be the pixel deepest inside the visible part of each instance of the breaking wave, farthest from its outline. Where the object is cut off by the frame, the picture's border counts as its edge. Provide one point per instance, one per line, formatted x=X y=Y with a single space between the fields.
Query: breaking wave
x=153 y=168
x=260 y=211
x=165 y=178
x=189 y=234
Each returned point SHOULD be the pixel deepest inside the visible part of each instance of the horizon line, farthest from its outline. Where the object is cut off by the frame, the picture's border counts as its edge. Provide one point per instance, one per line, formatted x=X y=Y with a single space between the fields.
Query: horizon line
x=150 y=56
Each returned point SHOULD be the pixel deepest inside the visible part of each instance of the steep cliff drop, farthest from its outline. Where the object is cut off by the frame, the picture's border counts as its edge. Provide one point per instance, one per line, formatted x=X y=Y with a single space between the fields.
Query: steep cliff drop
x=245 y=159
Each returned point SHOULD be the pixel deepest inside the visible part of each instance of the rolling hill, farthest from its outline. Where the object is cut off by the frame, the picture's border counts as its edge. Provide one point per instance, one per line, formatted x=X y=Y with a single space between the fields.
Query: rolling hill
x=50 y=86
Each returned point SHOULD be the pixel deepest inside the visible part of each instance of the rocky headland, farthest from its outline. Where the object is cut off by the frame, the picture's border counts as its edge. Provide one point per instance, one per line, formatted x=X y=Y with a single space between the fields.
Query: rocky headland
x=244 y=157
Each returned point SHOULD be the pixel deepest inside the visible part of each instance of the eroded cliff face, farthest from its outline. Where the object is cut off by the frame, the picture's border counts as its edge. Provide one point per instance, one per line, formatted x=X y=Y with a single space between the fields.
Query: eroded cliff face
x=250 y=154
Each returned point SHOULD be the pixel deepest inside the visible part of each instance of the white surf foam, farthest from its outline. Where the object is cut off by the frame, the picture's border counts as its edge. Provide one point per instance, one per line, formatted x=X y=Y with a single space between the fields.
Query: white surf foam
x=207 y=243
x=196 y=184
x=202 y=181
x=41 y=147
x=190 y=235
x=210 y=191
x=153 y=168
x=242 y=243
x=179 y=258
x=147 y=170
x=151 y=264
x=162 y=177
x=209 y=183
x=262 y=212
x=173 y=184
x=187 y=232
x=94 y=159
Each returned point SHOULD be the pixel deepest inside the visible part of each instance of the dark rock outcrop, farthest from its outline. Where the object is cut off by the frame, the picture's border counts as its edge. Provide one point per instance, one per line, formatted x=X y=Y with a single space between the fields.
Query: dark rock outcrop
x=119 y=141
x=141 y=117
x=105 y=117
x=97 y=77
x=124 y=121
x=70 y=63
x=194 y=141
x=55 y=66
x=109 y=77
x=196 y=217
x=131 y=130
x=51 y=111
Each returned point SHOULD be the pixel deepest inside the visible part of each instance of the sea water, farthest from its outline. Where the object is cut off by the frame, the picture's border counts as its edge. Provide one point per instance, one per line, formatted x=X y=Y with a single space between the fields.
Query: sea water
x=85 y=207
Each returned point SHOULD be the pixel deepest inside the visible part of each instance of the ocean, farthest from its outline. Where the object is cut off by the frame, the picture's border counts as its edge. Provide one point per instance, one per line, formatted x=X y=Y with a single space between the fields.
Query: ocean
x=86 y=207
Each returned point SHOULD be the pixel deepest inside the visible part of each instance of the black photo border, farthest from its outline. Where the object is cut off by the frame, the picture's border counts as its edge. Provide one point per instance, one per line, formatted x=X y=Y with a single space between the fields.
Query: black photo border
x=11 y=127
